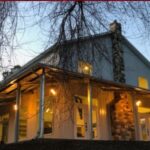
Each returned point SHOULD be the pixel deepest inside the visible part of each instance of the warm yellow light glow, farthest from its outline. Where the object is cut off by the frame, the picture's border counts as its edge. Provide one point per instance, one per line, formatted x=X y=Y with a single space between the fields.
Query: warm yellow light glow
x=15 y=107
x=138 y=103
x=86 y=68
x=47 y=110
x=12 y=82
x=53 y=92
x=102 y=112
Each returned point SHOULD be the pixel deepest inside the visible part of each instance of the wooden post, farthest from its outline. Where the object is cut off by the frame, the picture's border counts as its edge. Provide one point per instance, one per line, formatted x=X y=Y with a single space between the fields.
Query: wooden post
x=18 y=99
x=41 y=106
x=90 y=125
x=136 y=117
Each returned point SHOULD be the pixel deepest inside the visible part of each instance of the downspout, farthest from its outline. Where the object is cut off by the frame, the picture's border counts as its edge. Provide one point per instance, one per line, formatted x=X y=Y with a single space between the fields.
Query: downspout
x=41 y=106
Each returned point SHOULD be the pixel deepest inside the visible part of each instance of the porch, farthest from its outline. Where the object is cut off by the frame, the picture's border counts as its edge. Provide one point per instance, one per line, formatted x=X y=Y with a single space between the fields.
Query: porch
x=47 y=102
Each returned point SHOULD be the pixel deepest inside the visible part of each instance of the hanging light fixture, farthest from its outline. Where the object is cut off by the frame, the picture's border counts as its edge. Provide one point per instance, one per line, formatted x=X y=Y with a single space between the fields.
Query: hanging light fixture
x=15 y=107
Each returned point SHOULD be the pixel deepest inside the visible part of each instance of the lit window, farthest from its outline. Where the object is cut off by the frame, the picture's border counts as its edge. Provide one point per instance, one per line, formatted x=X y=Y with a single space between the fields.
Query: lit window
x=143 y=82
x=22 y=122
x=22 y=128
x=48 y=115
x=84 y=67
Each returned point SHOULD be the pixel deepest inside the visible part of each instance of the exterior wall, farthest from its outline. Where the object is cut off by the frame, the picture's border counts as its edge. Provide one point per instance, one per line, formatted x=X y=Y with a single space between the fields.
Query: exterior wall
x=29 y=108
x=11 y=125
x=100 y=57
x=63 y=124
x=102 y=60
x=134 y=67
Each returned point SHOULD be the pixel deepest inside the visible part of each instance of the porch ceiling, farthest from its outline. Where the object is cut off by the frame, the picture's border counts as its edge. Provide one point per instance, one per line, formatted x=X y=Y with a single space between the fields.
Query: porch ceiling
x=28 y=82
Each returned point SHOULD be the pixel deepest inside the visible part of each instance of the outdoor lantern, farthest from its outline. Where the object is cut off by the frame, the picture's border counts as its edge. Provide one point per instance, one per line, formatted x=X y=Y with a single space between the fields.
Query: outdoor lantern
x=15 y=107
x=138 y=103
x=86 y=68
x=53 y=92
x=47 y=110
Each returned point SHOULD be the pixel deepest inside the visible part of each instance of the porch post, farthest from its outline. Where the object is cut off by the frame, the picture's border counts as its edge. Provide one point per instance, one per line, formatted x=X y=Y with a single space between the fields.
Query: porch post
x=90 y=128
x=18 y=98
x=41 y=106
x=136 y=117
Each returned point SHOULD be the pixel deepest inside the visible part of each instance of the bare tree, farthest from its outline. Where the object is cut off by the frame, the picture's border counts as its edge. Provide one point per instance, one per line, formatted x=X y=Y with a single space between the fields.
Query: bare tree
x=61 y=21
x=8 y=25
x=74 y=20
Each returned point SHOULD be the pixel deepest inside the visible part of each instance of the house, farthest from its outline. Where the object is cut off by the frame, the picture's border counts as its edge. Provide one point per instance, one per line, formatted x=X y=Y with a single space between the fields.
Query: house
x=103 y=94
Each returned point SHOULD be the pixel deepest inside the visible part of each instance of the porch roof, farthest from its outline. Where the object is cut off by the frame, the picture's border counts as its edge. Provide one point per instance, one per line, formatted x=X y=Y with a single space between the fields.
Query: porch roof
x=29 y=79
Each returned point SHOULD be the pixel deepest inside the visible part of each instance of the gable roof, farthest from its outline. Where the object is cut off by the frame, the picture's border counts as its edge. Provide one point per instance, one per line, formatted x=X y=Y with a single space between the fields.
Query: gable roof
x=36 y=60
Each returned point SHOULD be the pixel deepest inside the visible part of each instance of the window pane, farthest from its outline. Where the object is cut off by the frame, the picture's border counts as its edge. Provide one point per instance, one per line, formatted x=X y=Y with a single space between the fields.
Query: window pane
x=143 y=82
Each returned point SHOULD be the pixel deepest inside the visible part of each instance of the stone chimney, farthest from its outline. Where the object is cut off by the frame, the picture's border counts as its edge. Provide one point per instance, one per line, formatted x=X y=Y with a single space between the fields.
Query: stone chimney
x=117 y=52
x=115 y=26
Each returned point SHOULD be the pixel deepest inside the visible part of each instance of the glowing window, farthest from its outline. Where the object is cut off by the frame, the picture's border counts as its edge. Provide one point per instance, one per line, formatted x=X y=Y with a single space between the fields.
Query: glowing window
x=84 y=67
x=23 y=123
x=48 y=115
x=143 y=82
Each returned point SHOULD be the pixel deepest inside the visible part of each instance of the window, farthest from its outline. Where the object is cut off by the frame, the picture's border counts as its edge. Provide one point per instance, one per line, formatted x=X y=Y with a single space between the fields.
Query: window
x=4 y=119
x=48 y=115
x=84 y=67
x=22 y=128
x=143 y=82
x=23 y=123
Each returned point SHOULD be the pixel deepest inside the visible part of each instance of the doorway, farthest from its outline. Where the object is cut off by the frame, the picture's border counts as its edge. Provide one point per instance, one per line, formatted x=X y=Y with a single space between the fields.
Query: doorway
x=144 y=122
x=81 y=118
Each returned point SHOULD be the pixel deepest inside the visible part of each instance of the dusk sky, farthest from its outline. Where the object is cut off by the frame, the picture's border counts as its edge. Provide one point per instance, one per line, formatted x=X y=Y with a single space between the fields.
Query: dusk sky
x=32 y=40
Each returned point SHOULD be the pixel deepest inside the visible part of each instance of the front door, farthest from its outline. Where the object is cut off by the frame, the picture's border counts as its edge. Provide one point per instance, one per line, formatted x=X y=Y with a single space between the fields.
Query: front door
x=81 y=119
x=145 y=127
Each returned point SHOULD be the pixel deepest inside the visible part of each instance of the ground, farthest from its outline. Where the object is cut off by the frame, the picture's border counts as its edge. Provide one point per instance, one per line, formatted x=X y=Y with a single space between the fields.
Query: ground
x=57 y=144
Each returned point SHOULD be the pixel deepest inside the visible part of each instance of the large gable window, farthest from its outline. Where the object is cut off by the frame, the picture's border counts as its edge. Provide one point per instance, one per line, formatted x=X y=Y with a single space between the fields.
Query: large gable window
x=143 y=82
x=85 y=67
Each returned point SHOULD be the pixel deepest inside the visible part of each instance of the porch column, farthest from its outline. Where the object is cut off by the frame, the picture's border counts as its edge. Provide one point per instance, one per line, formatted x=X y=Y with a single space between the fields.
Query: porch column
x=41 y=106
x=18 y=98
x=136 y=117
x=90 y=128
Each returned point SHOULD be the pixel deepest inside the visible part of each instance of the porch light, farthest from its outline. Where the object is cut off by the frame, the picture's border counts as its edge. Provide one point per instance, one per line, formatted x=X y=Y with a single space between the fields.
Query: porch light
x=47 y=110
x=86 y=68
x=53 y=92
x=138 y=103
x=15 y=107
